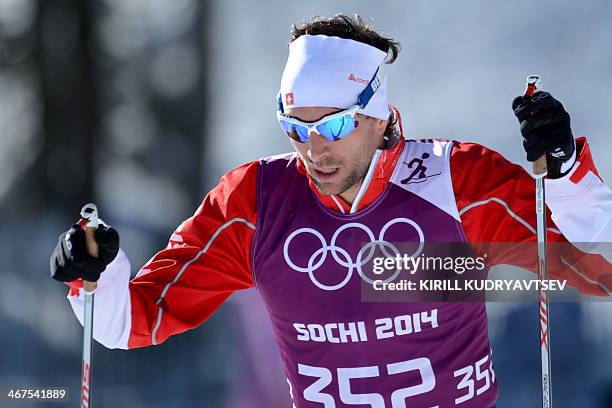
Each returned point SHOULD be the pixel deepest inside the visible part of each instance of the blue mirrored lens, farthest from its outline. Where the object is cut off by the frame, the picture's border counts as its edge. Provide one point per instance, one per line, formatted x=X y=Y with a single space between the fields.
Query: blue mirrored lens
x=337 y=128
x=296 y=132
x=302 y=133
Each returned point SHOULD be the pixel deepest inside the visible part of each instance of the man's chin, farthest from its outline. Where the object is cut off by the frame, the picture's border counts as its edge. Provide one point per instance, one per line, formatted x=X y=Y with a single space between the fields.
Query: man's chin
x=331 y=188
x=328 y=188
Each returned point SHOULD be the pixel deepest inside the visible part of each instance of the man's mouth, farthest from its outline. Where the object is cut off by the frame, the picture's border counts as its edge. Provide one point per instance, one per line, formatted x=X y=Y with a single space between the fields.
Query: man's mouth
x=324 y=173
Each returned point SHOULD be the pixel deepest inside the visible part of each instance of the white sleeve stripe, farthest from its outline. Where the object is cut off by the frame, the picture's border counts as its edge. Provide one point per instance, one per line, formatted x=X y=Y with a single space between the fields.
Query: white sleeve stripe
x=186 y=265
x=600 y=284
x=508 y=210
x=573 y=268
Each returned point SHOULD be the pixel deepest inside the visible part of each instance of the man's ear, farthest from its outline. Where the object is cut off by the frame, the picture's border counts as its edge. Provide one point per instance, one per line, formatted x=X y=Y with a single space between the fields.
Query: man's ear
x=379 y=130
x=381 y=126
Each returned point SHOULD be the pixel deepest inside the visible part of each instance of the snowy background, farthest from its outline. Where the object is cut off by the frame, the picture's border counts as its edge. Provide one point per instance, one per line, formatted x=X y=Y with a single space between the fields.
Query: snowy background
x=141 y=105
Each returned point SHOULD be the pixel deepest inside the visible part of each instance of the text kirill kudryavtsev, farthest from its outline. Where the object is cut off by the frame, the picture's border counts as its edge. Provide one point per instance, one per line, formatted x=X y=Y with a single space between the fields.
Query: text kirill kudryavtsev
x=471 y=284
x=460 y=265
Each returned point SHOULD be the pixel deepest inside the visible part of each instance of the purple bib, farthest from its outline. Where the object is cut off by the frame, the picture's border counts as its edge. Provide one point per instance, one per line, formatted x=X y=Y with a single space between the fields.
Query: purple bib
x=339 y=351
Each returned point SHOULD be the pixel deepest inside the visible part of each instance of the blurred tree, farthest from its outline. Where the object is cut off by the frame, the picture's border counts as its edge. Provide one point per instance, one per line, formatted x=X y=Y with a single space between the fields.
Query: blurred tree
x=63 y=173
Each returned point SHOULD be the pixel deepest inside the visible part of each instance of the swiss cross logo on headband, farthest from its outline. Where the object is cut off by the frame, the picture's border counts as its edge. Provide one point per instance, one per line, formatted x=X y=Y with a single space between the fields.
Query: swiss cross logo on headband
x=352 y=77
x=289 y=99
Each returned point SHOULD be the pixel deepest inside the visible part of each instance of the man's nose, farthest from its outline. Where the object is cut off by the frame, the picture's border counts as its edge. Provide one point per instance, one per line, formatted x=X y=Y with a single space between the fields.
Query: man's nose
x=318 y=147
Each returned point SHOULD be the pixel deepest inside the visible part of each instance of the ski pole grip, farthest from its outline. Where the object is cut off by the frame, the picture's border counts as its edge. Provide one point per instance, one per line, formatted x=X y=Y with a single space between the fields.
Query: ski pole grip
x=89 y=216
x=534 y=84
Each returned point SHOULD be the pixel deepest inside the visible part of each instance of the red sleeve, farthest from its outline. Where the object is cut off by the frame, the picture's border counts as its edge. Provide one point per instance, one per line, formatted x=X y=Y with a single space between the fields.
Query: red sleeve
x=207 y=258
x=496 y=202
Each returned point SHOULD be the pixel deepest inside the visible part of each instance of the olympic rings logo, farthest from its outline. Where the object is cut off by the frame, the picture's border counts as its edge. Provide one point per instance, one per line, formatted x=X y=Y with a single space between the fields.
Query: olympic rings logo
x=341 y=255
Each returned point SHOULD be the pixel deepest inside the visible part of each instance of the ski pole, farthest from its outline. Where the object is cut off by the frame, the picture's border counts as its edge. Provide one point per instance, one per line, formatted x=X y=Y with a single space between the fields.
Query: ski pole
x=534 y=84
x=89 y=222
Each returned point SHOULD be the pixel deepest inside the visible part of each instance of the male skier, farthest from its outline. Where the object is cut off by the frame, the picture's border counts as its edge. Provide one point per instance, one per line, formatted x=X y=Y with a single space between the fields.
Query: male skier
x=292 y=227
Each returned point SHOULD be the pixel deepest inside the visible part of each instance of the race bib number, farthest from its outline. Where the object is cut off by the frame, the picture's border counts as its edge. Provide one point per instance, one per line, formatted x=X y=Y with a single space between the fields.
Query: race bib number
x=472 y=381
x=323 y=376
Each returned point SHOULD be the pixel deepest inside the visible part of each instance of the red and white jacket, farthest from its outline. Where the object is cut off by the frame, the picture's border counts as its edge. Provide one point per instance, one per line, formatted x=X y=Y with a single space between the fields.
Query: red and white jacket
x=208 y=257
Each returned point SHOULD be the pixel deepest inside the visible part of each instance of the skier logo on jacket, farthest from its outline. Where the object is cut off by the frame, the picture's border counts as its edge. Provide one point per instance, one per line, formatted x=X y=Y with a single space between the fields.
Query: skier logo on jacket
x=418 y=175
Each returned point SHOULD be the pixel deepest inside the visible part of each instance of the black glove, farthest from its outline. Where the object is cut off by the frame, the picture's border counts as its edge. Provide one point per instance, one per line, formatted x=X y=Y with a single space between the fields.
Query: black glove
x=545 y=126
x=70 y=261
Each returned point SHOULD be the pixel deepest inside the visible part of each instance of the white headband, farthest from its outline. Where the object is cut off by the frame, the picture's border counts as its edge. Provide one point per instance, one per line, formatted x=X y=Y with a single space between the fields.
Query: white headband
x=332 y=71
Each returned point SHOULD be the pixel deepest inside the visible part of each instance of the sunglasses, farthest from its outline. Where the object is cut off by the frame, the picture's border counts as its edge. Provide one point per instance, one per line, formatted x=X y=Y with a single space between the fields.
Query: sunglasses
x=332 y=127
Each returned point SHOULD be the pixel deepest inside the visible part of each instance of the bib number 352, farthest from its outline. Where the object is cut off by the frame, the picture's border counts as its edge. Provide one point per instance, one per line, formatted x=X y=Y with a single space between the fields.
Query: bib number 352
x=473 y=380
x=344 y=375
